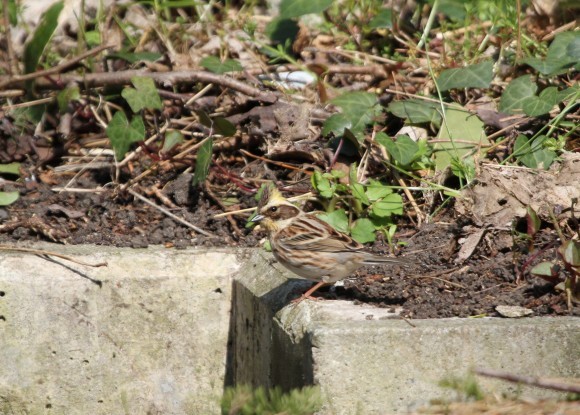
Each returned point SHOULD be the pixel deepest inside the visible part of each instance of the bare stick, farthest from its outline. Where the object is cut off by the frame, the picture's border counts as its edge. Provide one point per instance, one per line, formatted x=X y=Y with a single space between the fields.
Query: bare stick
x=530 y=380
x=55 y=254
x=168 y=213
x=164 y=78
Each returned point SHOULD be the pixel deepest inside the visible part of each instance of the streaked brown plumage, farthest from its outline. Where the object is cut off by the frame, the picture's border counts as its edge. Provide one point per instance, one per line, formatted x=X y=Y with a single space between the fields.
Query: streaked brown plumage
x=308 y=246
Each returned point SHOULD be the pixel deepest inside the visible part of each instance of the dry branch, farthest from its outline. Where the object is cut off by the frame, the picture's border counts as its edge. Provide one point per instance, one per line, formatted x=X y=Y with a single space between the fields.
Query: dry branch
x=93 y=80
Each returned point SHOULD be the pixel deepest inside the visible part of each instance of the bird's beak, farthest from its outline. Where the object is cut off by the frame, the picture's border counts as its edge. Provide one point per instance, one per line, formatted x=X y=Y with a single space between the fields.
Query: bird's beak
x=257 y=218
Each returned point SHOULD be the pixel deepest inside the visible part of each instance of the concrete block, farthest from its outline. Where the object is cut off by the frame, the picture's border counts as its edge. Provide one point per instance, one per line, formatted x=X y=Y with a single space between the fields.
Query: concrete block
x=147 y=334
x=367 y=361
x=163 y=331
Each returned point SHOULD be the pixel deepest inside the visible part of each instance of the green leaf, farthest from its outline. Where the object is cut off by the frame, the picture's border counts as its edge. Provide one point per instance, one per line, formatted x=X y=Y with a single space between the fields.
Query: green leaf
x=282 y=31
x=297 y=8
x=570 y=251
x=358 y=191
x=546 y=66
x=215 y=65
x=136 y=57
x=172 y=138
x=533 y=154
x=224 y=127
x=391 y=204
x=93 y=38
x=204 y=156
x=7 y=198
x=403 y=150
x=10 y=168
x=563 y=53
x=573 y=49
x=42 y=35
x=336 y=124
x=359 y=107
x=545 y=269
x=144 y=95
x=533 y=221
x=363 y=230
x=417 y=111
x=383 y=19
x=64 y=97
x=376 y=190
x=337 y=219
x=473 y=76
x=516 y=93
x=536 y=106
x=458 y=125
x=322 y=185
x=122 y=134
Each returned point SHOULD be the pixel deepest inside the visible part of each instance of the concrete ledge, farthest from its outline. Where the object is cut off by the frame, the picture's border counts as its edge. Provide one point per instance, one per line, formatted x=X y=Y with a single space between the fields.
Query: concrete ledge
x=369 y=363
x=147 y=334
x=164 y=331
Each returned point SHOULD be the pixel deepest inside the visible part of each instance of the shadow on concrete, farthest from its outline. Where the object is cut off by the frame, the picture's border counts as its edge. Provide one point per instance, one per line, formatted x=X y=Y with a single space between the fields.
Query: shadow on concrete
x=260 y=351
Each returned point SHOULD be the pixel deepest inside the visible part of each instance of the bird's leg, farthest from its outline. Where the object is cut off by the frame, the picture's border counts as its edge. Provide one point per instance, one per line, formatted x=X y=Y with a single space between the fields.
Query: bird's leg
x=308 y=293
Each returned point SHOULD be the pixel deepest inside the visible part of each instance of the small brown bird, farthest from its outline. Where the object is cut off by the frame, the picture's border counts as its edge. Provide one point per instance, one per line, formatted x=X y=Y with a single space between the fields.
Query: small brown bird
x=308 y=246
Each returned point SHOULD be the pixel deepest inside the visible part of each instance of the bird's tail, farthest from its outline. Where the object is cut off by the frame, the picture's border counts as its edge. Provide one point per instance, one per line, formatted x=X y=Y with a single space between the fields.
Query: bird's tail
x=378 y=260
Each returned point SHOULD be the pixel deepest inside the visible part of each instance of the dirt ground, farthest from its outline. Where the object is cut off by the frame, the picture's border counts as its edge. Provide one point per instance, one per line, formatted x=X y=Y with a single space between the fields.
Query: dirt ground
x=433 y=285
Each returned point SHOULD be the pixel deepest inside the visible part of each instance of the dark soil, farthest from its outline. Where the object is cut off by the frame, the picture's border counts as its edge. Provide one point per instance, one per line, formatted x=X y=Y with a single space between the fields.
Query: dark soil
x=432 y=286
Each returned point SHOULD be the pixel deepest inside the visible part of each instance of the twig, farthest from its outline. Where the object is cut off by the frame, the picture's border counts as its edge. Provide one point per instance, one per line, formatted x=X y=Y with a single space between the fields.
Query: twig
x=530 y=380
x=435 y=275
x=168 y=213
x=55 y=254
x=18 y=79
x=276 y=163
x=120 y=78
x=561 y=29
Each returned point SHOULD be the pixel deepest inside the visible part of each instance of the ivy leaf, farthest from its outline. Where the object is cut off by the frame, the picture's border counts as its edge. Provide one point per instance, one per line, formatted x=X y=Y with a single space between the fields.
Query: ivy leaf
x=144 y=95
x=536 y=106
x=122 y=134
x=336 y=125
x=461 y=134
x=360 y=108
x=403 y=150
x=215 y=65
x=533 y=154
x=416 y=111
x=516 y=93
x=473 y=76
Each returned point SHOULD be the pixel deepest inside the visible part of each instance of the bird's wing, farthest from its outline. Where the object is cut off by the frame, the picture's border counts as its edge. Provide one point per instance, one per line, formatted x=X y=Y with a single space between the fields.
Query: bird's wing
x=307 y=232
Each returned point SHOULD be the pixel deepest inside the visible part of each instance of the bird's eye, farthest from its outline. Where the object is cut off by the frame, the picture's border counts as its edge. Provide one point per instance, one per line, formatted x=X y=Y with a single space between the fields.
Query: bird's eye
x=274 y=209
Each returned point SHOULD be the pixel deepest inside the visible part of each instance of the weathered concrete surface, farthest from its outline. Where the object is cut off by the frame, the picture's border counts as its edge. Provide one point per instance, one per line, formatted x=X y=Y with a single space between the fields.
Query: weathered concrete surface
x=150 y=338
x=152 y=333
x=367 y=362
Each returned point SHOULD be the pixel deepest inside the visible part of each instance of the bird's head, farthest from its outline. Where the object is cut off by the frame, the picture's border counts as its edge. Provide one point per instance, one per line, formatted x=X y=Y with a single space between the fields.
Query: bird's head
x=274 y=211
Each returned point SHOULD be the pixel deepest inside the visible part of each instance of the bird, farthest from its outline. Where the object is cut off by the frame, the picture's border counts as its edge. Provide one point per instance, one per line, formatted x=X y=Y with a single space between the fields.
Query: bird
x=309 y=247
